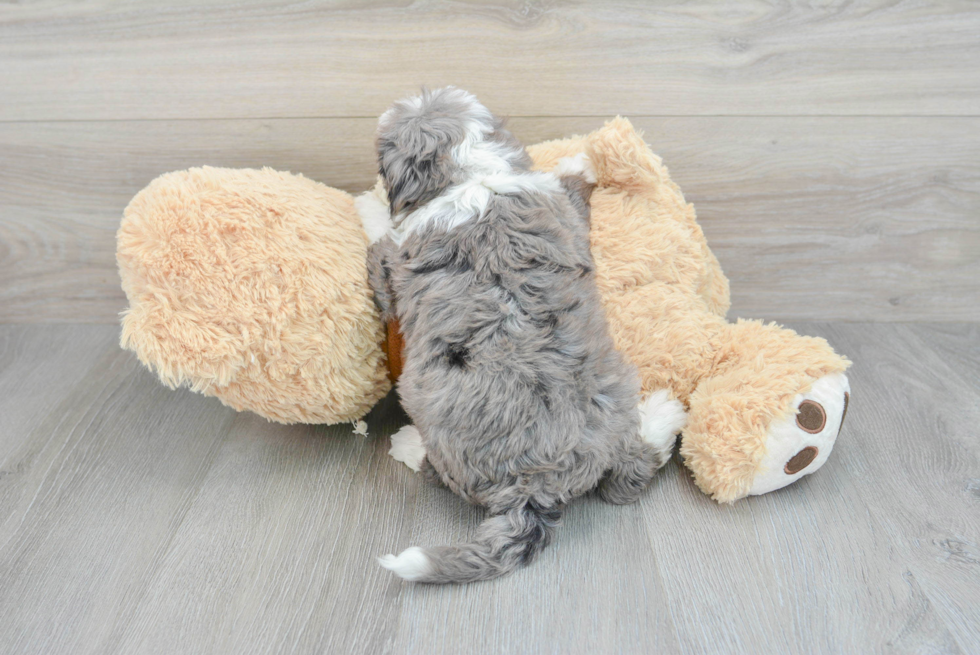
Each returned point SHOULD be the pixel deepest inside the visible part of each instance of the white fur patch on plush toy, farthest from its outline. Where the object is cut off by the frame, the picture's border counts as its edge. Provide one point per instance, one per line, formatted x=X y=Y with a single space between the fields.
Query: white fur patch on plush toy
x=580 y=164
x=661 y=420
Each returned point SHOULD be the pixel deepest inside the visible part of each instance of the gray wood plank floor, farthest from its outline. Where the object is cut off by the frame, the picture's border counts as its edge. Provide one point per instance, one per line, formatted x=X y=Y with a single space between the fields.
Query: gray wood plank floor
x=134 y=519
x=102 y=59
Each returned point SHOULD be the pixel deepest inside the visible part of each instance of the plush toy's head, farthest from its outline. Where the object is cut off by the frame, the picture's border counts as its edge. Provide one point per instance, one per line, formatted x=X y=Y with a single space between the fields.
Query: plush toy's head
x=251 y=286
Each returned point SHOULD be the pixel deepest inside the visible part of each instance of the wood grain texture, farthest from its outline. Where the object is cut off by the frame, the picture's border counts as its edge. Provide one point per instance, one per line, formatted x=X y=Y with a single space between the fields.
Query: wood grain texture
x=92 y=495
x=934 y=461
x=31 y=385
x=812 y=218
x=258 y=59
x=161 y=522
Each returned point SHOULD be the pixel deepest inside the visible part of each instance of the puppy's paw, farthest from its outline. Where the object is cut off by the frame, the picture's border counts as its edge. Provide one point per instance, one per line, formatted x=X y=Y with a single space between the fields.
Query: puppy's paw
x=406 y=447
x=579 y=165
x=661 y=420
x=411 y=564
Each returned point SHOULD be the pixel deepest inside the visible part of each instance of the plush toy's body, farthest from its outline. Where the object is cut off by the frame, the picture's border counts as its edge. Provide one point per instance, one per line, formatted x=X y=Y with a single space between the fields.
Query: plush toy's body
x=302 y=343
x=665 y=299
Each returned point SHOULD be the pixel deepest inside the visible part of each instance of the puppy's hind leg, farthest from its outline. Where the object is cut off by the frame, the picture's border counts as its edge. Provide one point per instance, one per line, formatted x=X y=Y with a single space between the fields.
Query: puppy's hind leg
x=661 y=419
x=625 y=481
x=407 y=447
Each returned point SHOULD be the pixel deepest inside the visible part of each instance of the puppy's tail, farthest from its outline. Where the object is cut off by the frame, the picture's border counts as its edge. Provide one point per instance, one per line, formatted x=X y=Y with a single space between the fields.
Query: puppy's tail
x=503 y=542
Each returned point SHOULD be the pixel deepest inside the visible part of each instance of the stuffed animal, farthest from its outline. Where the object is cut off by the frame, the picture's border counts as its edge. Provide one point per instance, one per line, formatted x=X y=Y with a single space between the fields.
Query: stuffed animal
x=764 y=404
x=252 y=286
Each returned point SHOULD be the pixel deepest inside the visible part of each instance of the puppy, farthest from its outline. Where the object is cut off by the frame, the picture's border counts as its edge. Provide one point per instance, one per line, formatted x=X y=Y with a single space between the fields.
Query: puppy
x=519 y=400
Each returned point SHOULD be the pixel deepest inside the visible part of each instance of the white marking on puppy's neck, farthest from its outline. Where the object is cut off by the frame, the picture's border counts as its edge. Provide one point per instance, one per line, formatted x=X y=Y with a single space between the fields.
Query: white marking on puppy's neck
x=469 y=200
x=488 y=169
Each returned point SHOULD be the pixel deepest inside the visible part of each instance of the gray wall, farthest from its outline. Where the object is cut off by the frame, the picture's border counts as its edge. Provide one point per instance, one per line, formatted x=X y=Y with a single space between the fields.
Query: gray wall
x=833 y=154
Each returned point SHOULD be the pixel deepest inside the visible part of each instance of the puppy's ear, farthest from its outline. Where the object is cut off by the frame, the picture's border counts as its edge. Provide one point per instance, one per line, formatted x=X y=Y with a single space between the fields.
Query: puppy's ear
x=413 y=176
x=416 y=137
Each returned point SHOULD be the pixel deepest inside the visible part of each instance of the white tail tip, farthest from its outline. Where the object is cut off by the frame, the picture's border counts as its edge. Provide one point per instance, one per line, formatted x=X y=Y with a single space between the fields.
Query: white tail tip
x=411 y=564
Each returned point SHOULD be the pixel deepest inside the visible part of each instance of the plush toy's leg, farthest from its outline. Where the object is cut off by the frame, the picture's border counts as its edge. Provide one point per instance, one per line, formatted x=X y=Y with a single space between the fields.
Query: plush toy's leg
x=661 y=419
x=766 y=414
x=799 y=444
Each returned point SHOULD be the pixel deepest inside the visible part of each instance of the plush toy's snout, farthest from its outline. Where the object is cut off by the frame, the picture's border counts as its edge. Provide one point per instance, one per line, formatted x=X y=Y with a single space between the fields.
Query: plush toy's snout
x=800 y=444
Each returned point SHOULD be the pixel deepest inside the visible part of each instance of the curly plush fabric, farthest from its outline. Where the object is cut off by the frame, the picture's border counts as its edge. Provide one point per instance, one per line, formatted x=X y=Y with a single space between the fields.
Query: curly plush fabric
x=251 y=286
x=666 y=297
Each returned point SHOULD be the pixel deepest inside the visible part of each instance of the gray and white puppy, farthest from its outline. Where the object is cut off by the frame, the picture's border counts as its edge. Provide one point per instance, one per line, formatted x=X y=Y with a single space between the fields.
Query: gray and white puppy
x=519 y=400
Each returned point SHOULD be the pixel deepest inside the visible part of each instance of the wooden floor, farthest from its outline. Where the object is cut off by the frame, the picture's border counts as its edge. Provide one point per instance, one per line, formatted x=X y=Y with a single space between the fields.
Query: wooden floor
x=832 y=150
x=140 y=520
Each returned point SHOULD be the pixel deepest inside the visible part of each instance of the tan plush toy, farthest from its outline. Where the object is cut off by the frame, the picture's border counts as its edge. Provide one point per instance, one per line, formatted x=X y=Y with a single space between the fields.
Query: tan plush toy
x=764 y=404
x=252 y=286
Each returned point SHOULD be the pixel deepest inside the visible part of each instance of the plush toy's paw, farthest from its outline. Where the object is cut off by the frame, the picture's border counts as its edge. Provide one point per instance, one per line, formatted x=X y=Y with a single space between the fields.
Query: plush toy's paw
x=579 y=165
x=407 y=448
x=661 y=419
x=801 y=443
x=374 y=214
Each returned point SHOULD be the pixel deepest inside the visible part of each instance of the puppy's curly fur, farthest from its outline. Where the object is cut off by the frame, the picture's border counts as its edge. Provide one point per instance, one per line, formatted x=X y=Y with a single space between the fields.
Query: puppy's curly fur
x=511 y=378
